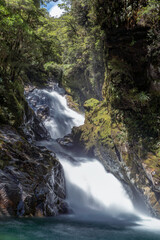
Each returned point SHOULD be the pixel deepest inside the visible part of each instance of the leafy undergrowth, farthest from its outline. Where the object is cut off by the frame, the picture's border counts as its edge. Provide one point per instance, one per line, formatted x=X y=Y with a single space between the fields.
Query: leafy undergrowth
x=12 y=103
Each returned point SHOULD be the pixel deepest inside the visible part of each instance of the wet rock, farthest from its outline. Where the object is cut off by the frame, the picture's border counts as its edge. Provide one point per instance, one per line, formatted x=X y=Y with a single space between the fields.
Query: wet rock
x=43 y=112
x=29 y=88
x=33 y=127
x=66 y=141
x=69 y=158
x=31 y=181
x=10 y=195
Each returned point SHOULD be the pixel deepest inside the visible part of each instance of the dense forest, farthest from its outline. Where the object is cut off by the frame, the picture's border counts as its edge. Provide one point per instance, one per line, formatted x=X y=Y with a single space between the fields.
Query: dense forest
x=105 y=54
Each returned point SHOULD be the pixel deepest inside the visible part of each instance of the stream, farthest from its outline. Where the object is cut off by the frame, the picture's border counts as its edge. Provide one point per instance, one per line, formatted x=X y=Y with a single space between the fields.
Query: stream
x=100 y=208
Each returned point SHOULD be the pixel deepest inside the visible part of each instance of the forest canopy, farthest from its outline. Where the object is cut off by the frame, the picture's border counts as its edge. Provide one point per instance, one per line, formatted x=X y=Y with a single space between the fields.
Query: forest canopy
x=26 y=37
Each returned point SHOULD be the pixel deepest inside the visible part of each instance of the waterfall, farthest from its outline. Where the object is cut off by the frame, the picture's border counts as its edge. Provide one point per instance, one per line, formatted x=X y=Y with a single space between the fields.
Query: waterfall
x=61 y=118
x=91 y=191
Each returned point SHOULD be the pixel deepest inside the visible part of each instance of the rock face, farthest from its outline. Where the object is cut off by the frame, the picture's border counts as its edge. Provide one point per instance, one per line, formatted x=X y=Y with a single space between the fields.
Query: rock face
x=33 y=127
x=31 y=178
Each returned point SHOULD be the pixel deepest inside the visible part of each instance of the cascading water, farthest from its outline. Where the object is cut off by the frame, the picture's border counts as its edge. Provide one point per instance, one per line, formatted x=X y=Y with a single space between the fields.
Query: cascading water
x=61 y=118
x=92 y=193
x=90 y=189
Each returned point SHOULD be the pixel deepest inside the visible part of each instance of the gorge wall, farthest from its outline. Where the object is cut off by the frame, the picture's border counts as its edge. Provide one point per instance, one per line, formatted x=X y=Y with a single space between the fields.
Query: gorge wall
x=125 y=125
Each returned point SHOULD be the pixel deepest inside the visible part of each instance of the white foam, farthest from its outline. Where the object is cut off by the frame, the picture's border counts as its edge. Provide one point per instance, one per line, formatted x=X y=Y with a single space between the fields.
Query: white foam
x=149 y=223
x=64 y=118
x=90 y=187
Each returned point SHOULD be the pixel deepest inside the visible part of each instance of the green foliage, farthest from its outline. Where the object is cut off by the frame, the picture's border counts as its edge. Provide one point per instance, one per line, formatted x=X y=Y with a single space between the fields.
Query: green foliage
x=74 y=49
x=149 y=15
x=82 y=55
x=27 y=43
x=66 y=5
x=12 y=103
x=26 y=38
x=115 y=14
x=124 y=35
x=143 y=98
x=54 y=70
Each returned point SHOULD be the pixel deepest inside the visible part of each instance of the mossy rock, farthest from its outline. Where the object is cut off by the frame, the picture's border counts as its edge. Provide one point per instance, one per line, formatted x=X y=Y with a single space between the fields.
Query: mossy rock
x=72 y=104
x=97 y=127
x=90 y=104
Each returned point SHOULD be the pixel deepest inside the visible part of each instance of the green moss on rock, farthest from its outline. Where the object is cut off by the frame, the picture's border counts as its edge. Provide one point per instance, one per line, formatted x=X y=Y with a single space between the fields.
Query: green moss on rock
x=97 y=127
x=72 y=104
x=91 y=104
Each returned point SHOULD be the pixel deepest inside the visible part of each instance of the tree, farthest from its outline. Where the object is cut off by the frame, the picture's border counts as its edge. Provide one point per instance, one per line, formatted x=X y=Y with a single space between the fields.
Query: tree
x=25 y=37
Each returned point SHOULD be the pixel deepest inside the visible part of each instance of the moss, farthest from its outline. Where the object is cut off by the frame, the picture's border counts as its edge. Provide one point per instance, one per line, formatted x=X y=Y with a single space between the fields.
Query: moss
x=152 y=162
x=72 y=104
x=97 y=127
x=4 y=158
x=90 y=104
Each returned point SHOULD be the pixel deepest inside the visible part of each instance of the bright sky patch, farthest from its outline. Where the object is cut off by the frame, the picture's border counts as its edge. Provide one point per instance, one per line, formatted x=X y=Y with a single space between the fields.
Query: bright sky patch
x=54 y=10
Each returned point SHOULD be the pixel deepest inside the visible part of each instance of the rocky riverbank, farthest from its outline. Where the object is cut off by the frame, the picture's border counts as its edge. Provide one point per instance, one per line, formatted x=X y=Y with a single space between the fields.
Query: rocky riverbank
x=31 y=178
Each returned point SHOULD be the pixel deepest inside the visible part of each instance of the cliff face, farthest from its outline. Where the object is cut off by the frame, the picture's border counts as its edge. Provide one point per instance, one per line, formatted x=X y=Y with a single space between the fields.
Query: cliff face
x=134 y=98
x=123 y=129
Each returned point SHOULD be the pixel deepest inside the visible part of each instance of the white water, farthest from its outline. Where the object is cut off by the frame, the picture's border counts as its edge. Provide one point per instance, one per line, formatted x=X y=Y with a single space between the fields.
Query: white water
x=64 y=117
x=91 y=191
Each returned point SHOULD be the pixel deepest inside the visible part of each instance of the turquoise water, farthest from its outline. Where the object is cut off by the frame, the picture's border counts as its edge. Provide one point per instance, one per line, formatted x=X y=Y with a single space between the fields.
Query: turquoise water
x=71 y=229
